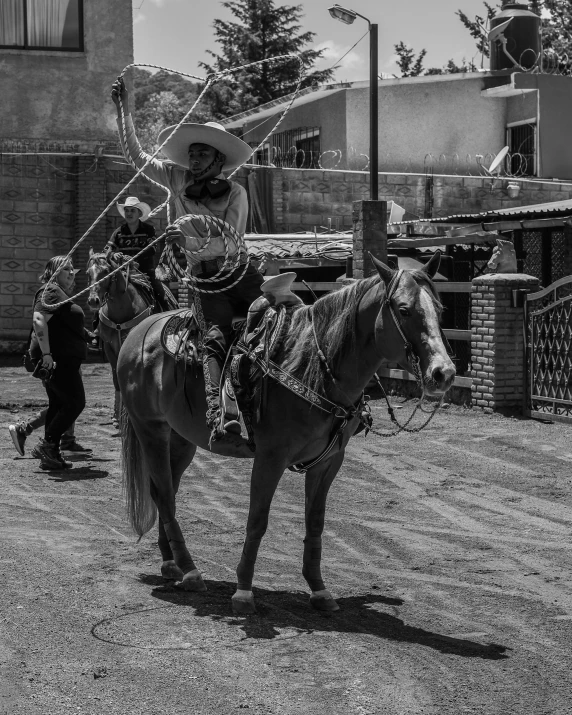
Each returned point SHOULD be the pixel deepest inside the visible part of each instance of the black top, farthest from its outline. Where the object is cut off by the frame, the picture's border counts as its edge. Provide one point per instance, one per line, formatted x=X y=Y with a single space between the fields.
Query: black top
x=66 y=326
x=131 y=243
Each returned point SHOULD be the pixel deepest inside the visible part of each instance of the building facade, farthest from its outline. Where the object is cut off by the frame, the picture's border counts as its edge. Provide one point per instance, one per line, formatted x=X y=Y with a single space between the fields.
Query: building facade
x=444 y=124
x=58 y=60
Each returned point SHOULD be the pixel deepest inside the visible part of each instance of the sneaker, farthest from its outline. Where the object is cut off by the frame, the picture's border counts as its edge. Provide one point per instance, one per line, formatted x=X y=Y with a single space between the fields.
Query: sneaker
x=50 y=457
x=18 y=433
x=74 y=446
x=35 y=451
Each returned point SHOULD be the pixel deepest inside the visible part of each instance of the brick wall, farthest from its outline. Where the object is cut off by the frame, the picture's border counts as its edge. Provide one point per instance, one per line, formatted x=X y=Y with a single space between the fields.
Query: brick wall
x=46 y=203
x=497 y=349
x=305 y=198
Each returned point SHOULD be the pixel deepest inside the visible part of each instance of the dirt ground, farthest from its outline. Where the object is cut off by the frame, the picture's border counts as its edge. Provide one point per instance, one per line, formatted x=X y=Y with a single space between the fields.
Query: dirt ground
x=448 y=552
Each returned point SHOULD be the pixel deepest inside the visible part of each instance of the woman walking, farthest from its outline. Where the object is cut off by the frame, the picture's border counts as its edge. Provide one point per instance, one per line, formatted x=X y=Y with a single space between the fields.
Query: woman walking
x=61 y=345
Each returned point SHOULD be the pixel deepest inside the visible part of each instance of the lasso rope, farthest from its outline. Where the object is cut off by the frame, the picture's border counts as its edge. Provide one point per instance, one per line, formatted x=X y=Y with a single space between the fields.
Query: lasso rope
x=225 y=228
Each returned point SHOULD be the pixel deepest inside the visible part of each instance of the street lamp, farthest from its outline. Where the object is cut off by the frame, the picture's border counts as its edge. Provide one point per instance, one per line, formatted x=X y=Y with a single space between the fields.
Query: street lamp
x=347 y=17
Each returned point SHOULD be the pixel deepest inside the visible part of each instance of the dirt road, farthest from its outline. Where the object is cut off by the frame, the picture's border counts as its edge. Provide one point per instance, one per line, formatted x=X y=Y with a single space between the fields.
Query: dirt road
x=448 y=553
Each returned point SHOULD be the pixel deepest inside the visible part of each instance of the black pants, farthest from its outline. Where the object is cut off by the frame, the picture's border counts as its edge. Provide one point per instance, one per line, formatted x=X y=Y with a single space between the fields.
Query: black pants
x=66 y=398
x=220 y=308
x=218 y=311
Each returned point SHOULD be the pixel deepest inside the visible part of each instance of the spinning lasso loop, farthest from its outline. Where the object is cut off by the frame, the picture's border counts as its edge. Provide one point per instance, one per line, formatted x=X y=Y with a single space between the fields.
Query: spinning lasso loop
x=228 y=266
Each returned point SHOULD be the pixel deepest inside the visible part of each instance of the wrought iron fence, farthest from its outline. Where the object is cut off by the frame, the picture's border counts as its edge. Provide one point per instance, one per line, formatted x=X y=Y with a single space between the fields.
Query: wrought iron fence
x=548 y=326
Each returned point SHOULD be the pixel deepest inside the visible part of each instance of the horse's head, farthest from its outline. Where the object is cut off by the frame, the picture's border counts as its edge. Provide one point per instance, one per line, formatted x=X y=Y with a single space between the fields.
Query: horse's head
x=99 y=266
x=411 y=312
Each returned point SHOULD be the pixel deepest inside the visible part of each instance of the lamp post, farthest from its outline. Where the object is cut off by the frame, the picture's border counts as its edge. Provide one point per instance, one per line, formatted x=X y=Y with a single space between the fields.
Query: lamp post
x=348 y=16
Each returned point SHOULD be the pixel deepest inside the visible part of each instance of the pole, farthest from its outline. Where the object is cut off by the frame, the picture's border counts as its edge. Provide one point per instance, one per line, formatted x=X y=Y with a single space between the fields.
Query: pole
x=373 y=118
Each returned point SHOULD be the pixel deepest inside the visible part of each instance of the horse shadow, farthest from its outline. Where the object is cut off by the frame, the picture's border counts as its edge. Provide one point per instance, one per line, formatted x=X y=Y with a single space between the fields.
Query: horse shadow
x=284 y=609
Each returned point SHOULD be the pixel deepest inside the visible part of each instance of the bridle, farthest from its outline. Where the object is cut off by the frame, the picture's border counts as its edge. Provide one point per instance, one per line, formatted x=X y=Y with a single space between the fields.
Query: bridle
x=107 y=295
x=410 y=354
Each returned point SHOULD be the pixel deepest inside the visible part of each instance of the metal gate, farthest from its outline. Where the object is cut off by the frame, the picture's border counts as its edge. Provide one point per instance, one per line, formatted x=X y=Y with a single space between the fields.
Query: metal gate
x=548 y=341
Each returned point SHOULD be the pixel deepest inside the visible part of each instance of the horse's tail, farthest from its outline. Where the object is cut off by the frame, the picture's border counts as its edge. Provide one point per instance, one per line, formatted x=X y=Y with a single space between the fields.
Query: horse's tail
x=136 y=483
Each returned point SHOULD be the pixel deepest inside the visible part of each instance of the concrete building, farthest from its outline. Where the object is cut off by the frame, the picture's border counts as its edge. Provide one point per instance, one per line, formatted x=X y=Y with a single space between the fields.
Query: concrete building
x=444 y=124
x=61 y=93
x=58 y=60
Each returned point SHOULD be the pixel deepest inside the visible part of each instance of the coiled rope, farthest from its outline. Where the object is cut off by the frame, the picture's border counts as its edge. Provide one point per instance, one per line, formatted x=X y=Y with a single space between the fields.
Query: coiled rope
x=230 y=264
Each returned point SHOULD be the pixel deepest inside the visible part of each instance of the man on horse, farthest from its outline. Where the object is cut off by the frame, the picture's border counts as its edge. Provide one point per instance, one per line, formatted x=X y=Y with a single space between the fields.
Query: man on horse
x=133 y=236
x=198 y=154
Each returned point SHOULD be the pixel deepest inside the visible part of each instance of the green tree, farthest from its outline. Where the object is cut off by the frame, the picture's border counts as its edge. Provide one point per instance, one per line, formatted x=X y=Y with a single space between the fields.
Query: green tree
x=163 y=99
x=556 y=38
x=409 y=65
x=262 y=30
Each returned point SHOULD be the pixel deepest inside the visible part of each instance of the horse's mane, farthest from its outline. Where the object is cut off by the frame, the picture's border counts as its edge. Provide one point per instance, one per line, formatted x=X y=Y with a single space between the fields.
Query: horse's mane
x=138 y=279
x=334 y=319
x=333 y=316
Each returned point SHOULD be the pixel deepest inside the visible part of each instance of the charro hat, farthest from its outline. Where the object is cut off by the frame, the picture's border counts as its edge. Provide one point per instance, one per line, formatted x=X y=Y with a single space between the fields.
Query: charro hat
x=176 y=149
x=133 y=201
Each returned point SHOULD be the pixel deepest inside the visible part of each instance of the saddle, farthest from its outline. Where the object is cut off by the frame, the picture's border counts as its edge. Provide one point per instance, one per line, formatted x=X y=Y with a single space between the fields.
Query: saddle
x=256 y=339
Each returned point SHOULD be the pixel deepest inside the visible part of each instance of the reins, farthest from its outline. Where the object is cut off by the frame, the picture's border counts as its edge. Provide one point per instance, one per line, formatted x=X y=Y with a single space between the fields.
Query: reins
x=413 y=360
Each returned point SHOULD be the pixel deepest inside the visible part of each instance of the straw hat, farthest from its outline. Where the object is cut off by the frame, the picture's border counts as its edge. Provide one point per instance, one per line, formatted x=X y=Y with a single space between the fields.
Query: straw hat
x=133 y=202
x=176 y=149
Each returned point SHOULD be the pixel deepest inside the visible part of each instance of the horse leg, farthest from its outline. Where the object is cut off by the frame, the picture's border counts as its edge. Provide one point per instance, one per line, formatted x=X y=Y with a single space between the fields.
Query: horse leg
x=155 y=443
x=181 y=455
x=265 y=477
x=318 y=482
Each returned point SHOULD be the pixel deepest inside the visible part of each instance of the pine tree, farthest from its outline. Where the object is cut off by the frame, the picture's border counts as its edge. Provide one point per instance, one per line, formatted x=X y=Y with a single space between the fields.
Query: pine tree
x=262 y=30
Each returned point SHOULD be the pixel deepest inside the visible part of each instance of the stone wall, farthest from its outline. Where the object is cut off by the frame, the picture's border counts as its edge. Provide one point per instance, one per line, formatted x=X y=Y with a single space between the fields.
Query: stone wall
x=47 y=202
x=305 y=198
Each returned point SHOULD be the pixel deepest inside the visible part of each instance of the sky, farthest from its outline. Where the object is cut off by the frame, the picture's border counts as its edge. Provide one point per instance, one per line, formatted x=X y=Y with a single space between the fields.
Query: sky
x=176 y=34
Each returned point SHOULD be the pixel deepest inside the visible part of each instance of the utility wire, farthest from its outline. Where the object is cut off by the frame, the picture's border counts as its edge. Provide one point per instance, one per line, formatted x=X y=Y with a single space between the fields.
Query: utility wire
x=348 y=52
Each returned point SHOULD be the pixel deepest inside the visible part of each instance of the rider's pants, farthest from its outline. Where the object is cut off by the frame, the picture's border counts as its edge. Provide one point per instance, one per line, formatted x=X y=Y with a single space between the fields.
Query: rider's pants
x=218 y=311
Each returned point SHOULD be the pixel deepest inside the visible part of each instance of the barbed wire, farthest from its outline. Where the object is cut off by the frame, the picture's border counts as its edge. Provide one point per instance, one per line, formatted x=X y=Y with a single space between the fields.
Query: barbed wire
x=516 y=164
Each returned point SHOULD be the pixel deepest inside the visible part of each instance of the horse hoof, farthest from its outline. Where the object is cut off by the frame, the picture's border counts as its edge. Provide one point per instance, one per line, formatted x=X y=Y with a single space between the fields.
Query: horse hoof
x=243 y=603
x=192 y=581
x=170 y=570
x=323 y=601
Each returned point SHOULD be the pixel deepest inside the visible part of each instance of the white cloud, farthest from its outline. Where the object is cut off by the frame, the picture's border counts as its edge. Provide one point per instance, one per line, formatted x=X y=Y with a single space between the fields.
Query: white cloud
x=333 y=53
x=138 y=17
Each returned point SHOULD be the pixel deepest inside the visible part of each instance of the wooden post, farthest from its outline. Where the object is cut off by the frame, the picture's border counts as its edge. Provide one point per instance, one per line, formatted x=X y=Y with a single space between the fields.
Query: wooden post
x=370 y=235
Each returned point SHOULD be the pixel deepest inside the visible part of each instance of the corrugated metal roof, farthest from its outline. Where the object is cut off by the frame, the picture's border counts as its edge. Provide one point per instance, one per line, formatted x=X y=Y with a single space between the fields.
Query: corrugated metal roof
x=304 y=247
x=554 y=208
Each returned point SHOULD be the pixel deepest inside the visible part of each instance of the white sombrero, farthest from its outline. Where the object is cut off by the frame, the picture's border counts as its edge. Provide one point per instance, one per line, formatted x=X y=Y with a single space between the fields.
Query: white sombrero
x=176 y=149
x=133 y=202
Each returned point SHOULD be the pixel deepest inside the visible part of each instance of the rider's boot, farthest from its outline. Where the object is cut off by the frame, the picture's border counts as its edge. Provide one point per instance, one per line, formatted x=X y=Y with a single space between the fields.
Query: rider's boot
x=225 y=436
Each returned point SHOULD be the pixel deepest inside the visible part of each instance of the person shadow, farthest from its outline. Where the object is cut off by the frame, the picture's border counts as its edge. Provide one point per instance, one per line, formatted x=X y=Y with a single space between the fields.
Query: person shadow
x=77 y=474
x=364 y=613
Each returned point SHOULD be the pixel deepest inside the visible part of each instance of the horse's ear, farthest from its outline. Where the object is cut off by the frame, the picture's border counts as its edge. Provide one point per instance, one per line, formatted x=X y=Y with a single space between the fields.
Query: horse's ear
x=90 y=251
x=384 y=271
x=432 y=266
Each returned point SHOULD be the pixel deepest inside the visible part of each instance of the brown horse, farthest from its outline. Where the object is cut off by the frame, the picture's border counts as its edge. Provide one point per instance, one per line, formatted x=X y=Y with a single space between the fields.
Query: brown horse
x=124 y=300
x=392 y=316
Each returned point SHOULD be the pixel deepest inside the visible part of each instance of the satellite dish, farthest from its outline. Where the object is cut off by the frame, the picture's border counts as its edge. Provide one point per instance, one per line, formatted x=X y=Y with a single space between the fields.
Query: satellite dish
x=495 y=166
x=497 y=32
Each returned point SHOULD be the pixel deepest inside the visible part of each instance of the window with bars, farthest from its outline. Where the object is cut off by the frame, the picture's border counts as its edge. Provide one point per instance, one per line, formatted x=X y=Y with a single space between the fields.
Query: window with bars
x=521 y=140
x=41 y=25
x=294 y=148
